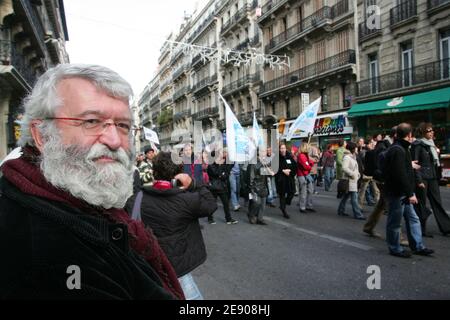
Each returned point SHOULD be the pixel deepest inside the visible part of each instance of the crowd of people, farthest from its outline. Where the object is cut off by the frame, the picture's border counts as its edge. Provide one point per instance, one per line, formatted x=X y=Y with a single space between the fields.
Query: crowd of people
x=74 y=196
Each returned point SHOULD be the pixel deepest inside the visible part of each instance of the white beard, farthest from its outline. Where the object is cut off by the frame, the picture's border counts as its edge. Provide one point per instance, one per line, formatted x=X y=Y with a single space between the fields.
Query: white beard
x=71 y=168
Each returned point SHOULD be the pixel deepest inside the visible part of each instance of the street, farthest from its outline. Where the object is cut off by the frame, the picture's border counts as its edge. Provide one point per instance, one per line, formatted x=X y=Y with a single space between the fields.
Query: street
x=316 y=255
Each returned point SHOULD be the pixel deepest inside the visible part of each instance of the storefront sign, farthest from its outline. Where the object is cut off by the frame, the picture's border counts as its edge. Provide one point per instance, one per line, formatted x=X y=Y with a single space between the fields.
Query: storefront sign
x=330 y=126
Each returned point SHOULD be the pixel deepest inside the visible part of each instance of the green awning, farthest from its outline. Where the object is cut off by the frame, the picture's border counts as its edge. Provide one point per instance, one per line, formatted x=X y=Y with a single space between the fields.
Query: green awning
x=433 y=99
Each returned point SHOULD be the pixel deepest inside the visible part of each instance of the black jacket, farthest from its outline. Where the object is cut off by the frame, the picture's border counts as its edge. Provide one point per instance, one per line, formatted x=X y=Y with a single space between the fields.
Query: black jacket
x=370 y=160
x=379 y=148
x=399 y=172
x=286 y=184
x=219 y=177
x=41 y=239
x=422 y=152
x=258 y=181
x=173 y=216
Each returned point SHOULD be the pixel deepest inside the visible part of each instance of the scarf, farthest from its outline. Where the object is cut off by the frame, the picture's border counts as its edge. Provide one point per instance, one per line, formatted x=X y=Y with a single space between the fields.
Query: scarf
x=25 y=174
x=433 y=149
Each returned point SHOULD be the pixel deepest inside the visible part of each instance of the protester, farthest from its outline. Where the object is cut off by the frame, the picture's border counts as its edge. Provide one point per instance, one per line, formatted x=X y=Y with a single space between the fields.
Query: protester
x=271 y=180
x=172 y=207
x=399 y=188
x=427 y=180
x=305 y=180
x=146 y=167
x=219 y=173
x=339 y=158
x=285 y=179
x=351 y=174
x=192 y=164
x=328 y=164
x=62 y=223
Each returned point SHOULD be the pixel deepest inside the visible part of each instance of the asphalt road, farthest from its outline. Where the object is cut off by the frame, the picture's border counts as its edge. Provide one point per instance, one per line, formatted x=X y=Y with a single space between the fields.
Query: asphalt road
x=316 y=256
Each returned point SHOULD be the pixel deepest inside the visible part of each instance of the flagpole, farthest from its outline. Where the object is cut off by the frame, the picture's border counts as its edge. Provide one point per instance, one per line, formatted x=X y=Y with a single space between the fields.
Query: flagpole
x=309 y=138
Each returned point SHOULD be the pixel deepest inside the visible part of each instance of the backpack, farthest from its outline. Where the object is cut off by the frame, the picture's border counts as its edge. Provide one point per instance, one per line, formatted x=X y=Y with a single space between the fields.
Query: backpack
x=381 y=167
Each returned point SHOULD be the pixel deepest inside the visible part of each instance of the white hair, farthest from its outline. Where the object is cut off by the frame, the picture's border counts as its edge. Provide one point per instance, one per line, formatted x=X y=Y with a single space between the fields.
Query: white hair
x=42 y=102
x=72 y=168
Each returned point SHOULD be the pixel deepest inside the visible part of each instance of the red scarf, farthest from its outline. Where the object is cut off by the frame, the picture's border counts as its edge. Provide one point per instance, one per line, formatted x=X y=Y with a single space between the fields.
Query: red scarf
x=25 y=174
x=162 y=185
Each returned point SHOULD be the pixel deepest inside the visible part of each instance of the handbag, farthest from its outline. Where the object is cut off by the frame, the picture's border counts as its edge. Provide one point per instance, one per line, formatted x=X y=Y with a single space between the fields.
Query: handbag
x=343 y=187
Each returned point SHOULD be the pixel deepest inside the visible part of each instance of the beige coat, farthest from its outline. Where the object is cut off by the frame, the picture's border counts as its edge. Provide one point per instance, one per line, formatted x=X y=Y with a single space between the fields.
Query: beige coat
x=350 y=171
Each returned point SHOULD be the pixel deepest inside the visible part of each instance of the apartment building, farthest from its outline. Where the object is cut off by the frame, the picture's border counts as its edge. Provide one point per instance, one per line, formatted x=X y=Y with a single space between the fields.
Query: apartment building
x=32 y=39
x=319 y=38
x=404 y=66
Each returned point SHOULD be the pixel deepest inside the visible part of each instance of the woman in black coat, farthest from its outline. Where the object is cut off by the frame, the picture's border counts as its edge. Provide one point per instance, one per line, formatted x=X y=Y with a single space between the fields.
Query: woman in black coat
x=219 y=173
x=171 y=207
x=427 y=177
x=285 y=179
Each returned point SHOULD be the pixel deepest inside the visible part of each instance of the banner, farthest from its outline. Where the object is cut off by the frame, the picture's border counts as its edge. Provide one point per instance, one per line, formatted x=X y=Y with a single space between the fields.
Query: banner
x=238 y=143
x=151 y=135
x=306 y=120
x=256 y=133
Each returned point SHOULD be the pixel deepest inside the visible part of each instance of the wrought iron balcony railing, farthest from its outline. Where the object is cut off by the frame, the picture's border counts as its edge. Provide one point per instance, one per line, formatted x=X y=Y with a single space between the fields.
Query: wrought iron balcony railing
x=236 y=18
x=269 y=7
x=315 y=69
x=205 y=113
x=432 y=4
x=11 y=55
x=405 y=10
x=430 y=72
x=179 y=93
x=366 y=30
x=309 y=22
x=181 y=115
x=240 y=83
x=201 y=84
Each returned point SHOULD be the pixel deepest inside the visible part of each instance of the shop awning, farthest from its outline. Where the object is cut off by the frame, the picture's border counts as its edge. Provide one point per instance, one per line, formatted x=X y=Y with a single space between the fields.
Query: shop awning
x=433 y=99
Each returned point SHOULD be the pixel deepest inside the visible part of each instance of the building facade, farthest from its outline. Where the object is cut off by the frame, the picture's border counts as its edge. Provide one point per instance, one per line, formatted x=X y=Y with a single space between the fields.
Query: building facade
x=404 y=66
x=32 y=39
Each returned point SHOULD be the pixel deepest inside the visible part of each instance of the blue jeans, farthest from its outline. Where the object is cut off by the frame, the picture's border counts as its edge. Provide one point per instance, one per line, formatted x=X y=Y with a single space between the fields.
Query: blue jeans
x=354 y=199
x=190 y=289
x=398 y=207
x=234 y=184
x=272 y=189
x=328 y=173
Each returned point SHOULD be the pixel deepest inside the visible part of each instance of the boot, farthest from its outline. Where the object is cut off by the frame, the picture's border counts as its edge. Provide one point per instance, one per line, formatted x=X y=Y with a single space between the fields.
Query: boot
x=285 y=214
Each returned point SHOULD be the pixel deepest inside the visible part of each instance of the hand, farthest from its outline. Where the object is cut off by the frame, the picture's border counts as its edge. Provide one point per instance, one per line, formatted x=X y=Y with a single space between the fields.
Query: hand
x=185 y=180
x=287 y=171
x=415 y=165
x=413 y=200
x=421 y=185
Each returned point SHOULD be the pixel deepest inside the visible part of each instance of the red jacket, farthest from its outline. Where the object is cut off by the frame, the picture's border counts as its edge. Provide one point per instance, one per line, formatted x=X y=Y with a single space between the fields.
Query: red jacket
x=304 y=165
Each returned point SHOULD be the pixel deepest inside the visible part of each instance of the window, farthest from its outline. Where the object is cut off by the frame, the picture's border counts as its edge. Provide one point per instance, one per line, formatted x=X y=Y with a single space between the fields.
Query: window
x=301 y=59
x=444 y=45
x=373 y=73
x=283 y=24
x=369 y=3
x=342 y=41
x=407 y=63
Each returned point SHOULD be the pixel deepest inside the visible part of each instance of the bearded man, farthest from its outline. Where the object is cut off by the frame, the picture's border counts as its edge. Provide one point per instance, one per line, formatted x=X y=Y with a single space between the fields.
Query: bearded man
x=63 y=230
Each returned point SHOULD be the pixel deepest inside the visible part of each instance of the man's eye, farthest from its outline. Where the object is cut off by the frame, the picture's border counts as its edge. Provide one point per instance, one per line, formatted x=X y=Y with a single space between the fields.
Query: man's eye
x=92 y=121
x=124 y=126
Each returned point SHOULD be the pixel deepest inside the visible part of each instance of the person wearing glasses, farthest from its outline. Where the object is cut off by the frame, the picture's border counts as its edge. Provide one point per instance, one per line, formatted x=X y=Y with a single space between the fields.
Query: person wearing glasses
x=425 y=152
x=63 y=231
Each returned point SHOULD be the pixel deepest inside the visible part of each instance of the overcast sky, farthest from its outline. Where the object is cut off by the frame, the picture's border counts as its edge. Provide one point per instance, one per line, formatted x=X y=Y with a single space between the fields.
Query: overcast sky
x=125 y=36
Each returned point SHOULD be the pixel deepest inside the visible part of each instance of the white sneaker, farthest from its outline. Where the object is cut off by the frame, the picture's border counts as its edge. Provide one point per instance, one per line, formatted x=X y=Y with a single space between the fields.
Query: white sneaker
x=236 y=208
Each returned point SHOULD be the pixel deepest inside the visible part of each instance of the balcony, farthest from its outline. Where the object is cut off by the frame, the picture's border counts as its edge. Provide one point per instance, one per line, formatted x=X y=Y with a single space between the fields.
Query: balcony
x=300 y=29
x=240 y=84
x=235 y=19
x=313 y=70
x=10 y=55
x=246 y=118
x=242 y=46
x=206 y=113
x=35 y=23
x=201 y=28
x=179 y=93
x=270 y=7
x=254 y=41
x=435 y=6
x=165 y=103
x=408 y=78
x=181 y=115
x=165 y=83
x=179 y=71
x=403 y=12
x=366 y=32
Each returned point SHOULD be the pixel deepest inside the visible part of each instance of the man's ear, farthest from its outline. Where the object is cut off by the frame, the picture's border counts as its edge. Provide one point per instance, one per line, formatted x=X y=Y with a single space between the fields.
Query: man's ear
x=36 y=134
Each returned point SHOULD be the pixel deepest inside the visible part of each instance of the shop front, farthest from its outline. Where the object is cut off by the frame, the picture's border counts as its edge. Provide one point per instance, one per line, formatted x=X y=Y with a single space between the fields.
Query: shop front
x=328 y=129
x=380 y=116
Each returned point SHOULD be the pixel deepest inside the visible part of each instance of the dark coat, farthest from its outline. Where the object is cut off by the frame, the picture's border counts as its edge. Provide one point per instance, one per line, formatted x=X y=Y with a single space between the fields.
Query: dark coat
x=258 y=181
x=286 y=184
x=399 y=172
x=219 y=177
x=173 y=216
x=40 y=239
x=422 y=152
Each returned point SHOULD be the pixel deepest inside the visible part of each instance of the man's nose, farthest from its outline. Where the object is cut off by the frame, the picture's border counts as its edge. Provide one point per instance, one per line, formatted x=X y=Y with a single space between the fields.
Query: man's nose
x=111 y=137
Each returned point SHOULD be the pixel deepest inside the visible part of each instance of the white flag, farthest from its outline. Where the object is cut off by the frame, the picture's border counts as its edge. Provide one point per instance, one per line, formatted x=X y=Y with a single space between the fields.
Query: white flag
x=151 y=135
x=256 y=133
x=306 y=120
x=238 y=142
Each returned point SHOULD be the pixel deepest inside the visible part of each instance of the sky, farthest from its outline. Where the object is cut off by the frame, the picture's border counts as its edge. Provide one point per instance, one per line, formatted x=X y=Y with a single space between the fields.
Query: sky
x=125 y=36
